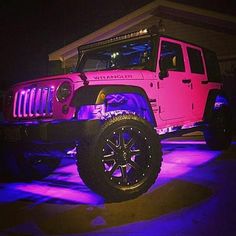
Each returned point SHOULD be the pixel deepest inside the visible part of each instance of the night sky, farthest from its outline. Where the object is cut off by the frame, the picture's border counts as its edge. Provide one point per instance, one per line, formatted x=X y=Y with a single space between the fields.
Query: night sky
x=30 y=30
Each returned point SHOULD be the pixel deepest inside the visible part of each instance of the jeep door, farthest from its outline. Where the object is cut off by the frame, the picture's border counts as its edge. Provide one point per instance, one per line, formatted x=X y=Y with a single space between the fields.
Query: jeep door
x=174 y=92
x=196 y=69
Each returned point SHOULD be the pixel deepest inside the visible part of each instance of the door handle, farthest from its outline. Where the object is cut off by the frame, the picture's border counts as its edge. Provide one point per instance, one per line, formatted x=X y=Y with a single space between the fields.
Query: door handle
x=186 y=81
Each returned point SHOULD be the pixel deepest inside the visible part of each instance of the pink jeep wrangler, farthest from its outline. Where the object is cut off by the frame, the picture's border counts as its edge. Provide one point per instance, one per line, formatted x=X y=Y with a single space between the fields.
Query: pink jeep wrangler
x=127 y=93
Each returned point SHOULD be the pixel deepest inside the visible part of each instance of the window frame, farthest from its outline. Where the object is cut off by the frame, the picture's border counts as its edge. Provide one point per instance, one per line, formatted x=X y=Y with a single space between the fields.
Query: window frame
x=179 y=45
x=203 y=71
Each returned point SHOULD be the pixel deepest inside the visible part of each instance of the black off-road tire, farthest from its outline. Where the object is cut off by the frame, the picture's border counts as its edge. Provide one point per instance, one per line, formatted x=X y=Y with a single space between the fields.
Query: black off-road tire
x=123 y=160
x=218 y=134
x=21 y=162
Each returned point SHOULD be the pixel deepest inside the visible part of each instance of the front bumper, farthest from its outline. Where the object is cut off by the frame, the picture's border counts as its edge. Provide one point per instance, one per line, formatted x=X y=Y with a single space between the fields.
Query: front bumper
x=56 y=132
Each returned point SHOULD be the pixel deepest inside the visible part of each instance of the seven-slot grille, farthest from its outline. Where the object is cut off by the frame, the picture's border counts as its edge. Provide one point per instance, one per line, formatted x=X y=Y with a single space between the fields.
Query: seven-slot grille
x=33 y=102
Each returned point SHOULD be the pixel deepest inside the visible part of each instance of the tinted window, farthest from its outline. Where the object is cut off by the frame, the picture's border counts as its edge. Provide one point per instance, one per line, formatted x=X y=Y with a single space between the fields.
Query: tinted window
x=171 y=57
x=212 y=66
x=195 y=60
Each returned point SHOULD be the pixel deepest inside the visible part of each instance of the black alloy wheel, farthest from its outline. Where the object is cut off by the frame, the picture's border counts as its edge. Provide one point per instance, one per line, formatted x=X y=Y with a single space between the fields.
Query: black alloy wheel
x=126 y=155
x=123 y=160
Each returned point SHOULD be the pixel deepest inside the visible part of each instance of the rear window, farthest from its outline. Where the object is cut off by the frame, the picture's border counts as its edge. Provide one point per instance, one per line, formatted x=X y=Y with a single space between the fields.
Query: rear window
x=212 y=66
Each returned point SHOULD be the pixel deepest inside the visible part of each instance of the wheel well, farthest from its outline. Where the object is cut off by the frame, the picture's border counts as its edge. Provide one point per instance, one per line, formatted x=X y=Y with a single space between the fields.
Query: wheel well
x=133 y=102
x=216 y=99
x=92 y=101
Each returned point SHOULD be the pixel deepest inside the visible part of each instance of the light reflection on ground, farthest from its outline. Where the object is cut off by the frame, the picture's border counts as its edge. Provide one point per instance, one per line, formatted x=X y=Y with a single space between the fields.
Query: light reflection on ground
x=195 y=188
x=65 y=186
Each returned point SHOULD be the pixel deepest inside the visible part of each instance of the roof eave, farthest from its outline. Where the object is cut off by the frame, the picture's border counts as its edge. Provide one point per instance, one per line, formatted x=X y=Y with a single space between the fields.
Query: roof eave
x=159 y=8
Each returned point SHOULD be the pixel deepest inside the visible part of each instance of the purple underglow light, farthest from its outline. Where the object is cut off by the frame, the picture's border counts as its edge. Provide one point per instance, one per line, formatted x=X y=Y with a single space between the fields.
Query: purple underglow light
x=187 y=156
x=189 y=142
x=60 y=193
x=72 y=152
x=75 y=194
x=122 y=101
x=129 y=102
x=175 y=128
x=89 y=112
x=220 y=100
x=64 y=184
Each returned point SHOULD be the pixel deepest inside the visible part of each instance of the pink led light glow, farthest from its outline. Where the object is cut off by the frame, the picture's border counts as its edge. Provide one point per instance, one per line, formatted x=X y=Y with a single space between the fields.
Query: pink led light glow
x=189 y=142
x=61 y=193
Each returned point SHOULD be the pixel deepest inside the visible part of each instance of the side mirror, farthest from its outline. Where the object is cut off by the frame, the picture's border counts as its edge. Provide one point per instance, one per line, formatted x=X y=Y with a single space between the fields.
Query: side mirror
x=167 y=63
x=164 y=66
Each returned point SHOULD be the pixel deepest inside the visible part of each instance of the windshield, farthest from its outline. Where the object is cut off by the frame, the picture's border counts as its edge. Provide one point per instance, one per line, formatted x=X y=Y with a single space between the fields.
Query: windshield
x=135 y=54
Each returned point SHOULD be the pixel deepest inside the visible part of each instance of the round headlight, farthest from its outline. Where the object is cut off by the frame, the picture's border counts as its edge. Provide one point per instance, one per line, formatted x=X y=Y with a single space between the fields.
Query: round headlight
x=64 y=91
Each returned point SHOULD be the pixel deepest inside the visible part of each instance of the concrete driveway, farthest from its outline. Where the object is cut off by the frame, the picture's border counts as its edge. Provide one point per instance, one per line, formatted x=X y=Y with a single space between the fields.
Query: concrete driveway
x=194 y=195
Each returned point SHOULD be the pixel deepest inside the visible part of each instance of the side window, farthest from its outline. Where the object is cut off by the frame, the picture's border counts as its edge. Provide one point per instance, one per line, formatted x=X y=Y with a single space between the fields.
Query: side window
x=171 y=57
x=195 y=60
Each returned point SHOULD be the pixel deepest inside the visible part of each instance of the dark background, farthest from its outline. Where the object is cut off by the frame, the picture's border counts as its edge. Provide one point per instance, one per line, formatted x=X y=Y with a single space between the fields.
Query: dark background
x=30 y=30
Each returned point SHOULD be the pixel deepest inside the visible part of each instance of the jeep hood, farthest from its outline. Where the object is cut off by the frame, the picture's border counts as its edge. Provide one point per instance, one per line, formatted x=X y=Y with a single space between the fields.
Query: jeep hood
x=114 y=75
x=101 y=76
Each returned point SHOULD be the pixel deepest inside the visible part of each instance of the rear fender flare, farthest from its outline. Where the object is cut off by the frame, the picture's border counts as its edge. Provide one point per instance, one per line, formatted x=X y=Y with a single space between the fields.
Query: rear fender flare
x=216 y=98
